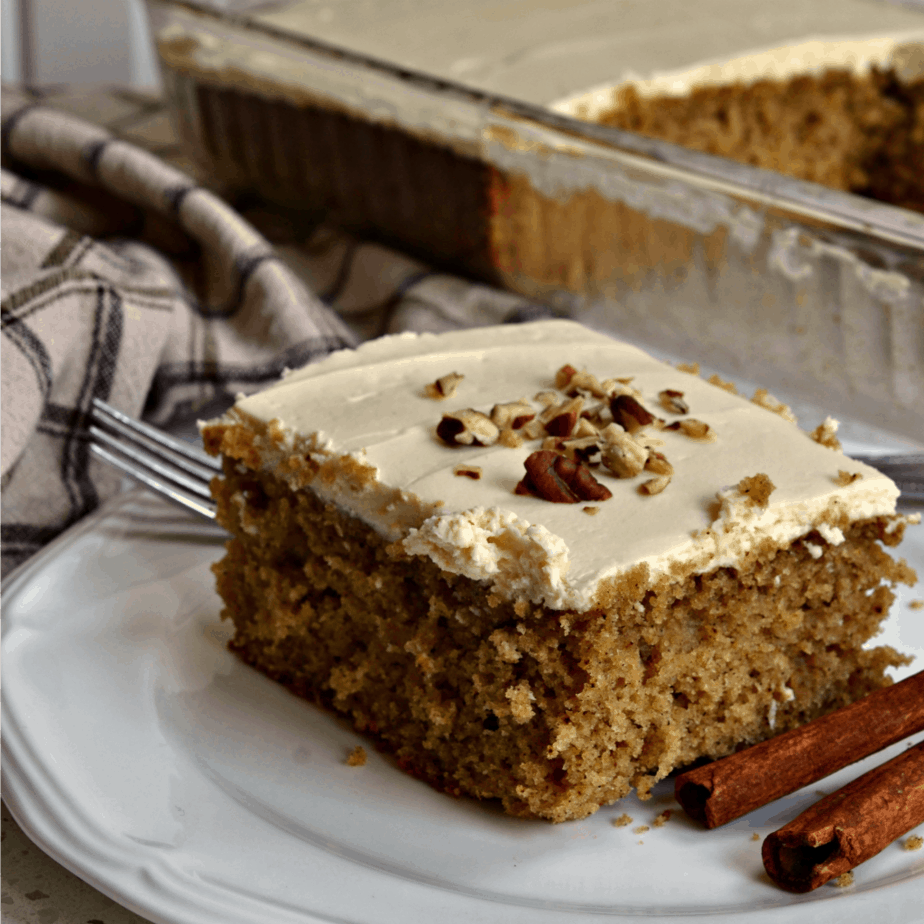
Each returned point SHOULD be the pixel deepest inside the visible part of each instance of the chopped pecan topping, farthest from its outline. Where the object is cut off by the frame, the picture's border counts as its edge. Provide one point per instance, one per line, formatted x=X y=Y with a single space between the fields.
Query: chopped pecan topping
x=583 y=383
x=512 y=415
x=467 y=428
x=845 y=478
x=672 y=401
x=560 y=419
x=533 y=429
x=444 y=387
x=591 y=511
x=764 y=399
x=554 y=478
x=657 y=463
x=468 y=471
x=724 y=384
x=584 y=449
x=547 y=398
x=616 y=387
x=693 y=428
x=654 y=485
x=595 y=411
x=629 y=413
x=510 y=438
x=621 y=453
x=564 y=376
x=584 y=429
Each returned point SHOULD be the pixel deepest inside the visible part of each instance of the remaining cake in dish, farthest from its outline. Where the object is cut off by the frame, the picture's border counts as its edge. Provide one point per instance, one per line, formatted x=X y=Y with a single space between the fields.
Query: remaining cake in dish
x=858 y=132
x=537 y=565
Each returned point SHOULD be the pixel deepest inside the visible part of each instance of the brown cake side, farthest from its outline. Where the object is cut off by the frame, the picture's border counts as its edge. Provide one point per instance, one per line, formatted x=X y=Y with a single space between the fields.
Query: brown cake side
x=553 y=712
x=858 y=133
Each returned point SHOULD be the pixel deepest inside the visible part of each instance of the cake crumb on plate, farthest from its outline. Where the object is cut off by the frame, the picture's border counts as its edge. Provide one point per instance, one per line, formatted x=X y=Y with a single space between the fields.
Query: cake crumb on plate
x=357 y=757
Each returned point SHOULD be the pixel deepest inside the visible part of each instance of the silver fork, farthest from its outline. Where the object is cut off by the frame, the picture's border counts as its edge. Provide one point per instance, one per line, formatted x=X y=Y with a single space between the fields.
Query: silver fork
x=181 y=472
x=171 y=467
x=906 y=469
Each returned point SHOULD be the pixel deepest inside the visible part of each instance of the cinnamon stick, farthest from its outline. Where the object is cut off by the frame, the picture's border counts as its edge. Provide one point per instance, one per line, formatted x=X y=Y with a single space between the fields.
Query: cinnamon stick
x=733 y=786
x=849 y=826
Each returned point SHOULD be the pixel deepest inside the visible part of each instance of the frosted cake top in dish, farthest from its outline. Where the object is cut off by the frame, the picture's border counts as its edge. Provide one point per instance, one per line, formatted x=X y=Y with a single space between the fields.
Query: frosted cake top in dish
x=542 y=51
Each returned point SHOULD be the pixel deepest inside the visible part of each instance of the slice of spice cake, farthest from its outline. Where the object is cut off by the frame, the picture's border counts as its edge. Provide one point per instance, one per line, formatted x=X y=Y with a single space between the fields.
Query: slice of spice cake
x=859 y=132
x=540 y=566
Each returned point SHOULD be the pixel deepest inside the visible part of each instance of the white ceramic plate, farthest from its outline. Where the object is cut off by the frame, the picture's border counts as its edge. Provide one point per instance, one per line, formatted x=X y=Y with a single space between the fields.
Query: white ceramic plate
x=144 y=757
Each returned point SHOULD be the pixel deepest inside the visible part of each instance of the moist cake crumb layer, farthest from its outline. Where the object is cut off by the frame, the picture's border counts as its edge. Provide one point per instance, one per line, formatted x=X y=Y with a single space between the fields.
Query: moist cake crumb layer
x=506 y=645
x=861 y=133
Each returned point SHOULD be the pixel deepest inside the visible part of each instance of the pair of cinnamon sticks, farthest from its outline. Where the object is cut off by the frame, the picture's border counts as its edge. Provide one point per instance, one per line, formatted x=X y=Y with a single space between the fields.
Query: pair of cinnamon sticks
x=845 y=828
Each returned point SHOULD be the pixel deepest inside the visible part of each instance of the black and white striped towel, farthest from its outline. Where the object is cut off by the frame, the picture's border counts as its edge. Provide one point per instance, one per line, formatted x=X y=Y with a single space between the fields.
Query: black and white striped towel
x=124 y=279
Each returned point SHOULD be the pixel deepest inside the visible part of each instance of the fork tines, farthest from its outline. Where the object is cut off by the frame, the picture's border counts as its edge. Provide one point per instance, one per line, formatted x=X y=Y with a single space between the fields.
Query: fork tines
x=906 y=469
x=172 y=467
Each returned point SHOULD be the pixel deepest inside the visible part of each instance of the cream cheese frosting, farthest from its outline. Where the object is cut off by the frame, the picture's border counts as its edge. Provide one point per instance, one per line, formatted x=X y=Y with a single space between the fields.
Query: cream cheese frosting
x=542 y=50
x=904 y=52
x=367 y=411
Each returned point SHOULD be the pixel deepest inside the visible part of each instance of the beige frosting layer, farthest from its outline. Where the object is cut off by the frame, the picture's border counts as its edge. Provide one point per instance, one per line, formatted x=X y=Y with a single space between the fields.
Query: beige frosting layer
x=904 y=52
x=542 y=50
x=365 y=416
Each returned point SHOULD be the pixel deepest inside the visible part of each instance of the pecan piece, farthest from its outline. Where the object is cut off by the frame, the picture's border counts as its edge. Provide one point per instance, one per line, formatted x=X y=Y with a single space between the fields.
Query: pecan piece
x=672 y=401
x=764 y=399
x=585 y=383
x=693 y=428
x=547 y=398
x=564 y=376
x=512 y=415
x=629 y=413
x=655 y=485
x=468 y=471
x=621 y=453
x=560 y=419
x=724 y=384
x=584 y=429
x=467 y=428
x=581 y=480
x=533 y=429
x=584 y=449
x=444 y=387
x=845 y=478
x=561 y=424
x=555 y=478
x=657 y=463
x=510 y=438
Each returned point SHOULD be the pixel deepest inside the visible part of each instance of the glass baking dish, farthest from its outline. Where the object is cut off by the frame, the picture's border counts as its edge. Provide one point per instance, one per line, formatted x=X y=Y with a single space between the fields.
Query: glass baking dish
x=809 y=290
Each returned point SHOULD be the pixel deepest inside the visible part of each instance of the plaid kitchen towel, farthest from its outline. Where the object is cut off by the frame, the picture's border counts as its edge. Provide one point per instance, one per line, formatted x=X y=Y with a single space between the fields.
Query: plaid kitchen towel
x=125 y=279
